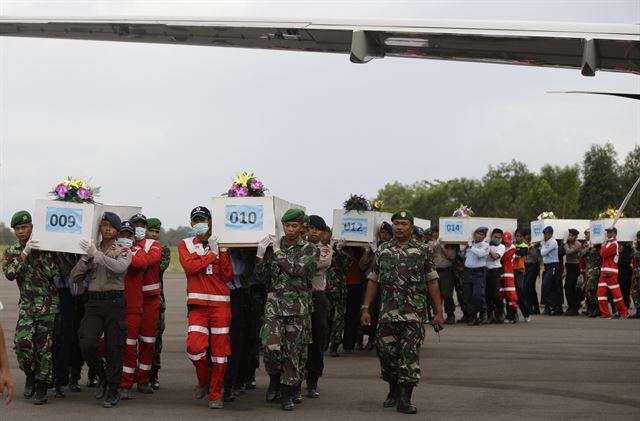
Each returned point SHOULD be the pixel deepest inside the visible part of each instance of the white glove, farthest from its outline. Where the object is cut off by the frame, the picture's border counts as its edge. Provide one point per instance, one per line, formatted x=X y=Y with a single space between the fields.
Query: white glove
x=262 y=246
x=31 y=245
x=373 y=247
x=88 y=248
x=275 y=243
x=213 y=245
x=341 y=244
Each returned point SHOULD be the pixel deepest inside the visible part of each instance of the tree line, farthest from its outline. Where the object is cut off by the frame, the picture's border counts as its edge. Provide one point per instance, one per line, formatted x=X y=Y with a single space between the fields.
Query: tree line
x=508 y=190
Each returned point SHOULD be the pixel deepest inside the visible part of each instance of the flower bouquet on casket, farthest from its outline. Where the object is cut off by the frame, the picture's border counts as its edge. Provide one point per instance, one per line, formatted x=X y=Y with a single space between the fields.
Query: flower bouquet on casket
x=609 y=214
x=546 y=215
x=359 y=203
x=74 y=189
x=246 y=184
x=463 y=211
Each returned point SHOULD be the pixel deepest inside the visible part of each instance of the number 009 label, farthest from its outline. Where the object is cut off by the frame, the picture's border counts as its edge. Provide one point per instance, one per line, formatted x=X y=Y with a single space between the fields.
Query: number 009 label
x=243 y=217
x=63 y=220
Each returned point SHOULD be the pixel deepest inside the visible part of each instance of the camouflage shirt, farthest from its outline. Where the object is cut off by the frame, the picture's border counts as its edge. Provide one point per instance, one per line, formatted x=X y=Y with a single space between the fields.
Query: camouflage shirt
x=165 y=259
x=402 y=271
x=340 y=263
x=287 y=275
x=34 y=276
x=591 y=257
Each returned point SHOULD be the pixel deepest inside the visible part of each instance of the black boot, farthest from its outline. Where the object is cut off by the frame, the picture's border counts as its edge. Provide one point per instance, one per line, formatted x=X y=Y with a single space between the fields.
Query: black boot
x=273 y=391
x=101 y=388
x=92 y=379
x=74 y=386
x=483 y=319
x=112 y=397
x=392 y=396
x=29 y=386
x=41 y=394
x=154 y=382
x=286 y=400
x=296 y=393
x=333 y=350
x=312 y=389
x=59 y=391
x=227 y=396
x=404 y=400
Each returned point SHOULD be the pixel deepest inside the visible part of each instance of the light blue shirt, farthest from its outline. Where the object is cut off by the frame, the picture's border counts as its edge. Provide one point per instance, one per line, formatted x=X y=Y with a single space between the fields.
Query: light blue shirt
x=549 y=251
x=476 y=255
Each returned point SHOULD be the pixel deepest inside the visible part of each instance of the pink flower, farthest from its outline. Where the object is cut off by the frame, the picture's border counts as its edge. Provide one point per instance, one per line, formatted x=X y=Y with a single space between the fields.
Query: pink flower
x=62 y=190
x=84 y=193
x=242 y=192
x=257 y=185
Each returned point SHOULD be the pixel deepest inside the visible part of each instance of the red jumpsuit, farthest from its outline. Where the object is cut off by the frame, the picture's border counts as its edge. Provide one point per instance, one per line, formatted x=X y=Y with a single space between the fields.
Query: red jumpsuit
x=150 y=308
x=609 y=280
x=508 y=290
x=209 y=311
x=133 y=314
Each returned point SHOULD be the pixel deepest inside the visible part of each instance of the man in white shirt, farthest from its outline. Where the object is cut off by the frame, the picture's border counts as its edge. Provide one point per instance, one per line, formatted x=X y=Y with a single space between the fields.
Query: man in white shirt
x=495 y=307
x=475 y=261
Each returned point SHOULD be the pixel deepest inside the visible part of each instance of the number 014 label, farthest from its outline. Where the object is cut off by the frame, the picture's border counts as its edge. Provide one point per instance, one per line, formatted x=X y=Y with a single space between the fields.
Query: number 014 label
x=63 y=220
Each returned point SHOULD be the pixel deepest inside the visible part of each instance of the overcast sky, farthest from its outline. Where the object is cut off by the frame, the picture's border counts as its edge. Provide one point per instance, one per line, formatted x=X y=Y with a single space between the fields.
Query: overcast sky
x=167 y=127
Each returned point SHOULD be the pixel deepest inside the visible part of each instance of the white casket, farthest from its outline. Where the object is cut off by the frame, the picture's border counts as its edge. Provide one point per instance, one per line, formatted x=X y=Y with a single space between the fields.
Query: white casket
x=460 y=230
x=560 y=227
x=425 y=224
x=59 y=226
x=244 y=221
x=361 y=228
x=627 y=229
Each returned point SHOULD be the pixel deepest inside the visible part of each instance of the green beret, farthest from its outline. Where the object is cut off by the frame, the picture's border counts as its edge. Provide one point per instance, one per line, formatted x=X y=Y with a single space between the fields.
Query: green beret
x=306 y=220
x=293 y=215
x=403 y=214
x=20 y=217
x=153 y=223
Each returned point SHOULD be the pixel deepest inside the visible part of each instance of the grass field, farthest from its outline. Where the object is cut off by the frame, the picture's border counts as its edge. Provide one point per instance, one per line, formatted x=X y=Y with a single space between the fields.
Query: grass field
x=174 y=266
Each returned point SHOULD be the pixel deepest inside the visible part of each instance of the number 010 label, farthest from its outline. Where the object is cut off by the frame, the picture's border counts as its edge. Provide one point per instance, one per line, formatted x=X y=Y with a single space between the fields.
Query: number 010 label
x=63 y=220
x=244 y=217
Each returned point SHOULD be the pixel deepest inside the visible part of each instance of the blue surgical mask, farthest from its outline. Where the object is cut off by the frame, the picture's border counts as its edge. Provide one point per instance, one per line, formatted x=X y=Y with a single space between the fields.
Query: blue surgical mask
x=141 y=232
x=201 y=228
x=125 y=242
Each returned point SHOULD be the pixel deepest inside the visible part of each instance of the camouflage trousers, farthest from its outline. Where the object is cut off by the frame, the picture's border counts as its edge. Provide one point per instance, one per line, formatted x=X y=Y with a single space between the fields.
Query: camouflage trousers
x=283 y=341
x=337 y=311
x=156 y=364
x=592 y=287
x=399 y=351
x=33 y=343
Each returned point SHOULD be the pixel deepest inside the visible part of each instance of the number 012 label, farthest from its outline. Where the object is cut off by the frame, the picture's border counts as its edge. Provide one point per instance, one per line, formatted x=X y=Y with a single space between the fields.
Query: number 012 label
x=354 y=227
x=63 y=220
x=244 y=217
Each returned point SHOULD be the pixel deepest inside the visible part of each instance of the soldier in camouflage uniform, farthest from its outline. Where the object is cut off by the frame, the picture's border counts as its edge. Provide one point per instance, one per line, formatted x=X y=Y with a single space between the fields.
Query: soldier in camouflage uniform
x=153 y=232
x=403 y=269
x=337 y=296
x=635 y=290
x=286 y=269
x=593 y=261
x=33 y=271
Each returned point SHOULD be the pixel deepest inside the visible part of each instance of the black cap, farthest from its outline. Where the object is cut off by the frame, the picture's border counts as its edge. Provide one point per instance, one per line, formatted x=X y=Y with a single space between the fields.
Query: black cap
x=612 y=229
x=386 y=227
x=200 y=211
x=128 y=226
x=138 y=217
x=418 y=231
x=526 y=231
x=574 y=231
x=113 y=219
x=435 y=228
x=548 y=229
x=317 y=222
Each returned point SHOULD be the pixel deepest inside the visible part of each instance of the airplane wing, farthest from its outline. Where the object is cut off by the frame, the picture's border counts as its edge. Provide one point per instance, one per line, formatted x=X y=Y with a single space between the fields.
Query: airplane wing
x=588 y=47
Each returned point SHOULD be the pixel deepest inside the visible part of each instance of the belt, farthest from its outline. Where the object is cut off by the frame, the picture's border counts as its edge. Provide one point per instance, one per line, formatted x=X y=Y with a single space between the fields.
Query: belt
x=104 y=295
x=475 y=269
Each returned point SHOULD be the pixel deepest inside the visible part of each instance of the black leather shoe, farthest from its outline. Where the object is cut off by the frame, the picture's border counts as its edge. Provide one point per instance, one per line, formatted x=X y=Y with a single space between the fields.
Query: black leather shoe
x=154 y=382
x=29 y=386
x=40 y=397
x=112 y=397
x=312 y=389
x=74 y=386
x=59 y=392
x=273 y=391
x=483 y=319
x=296 y=394
x=92 y=379
x=451 y=320
x=392 y=396
x=404 y=400
x=145 y=388
x=286 y=400
x=227 y=396
x=251 y=384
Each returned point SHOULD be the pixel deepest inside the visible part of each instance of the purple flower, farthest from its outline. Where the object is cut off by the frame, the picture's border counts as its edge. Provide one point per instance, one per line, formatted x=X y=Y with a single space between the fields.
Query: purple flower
x=257 y=185
x=62 y=190
x=241 y=192
x=83 y=193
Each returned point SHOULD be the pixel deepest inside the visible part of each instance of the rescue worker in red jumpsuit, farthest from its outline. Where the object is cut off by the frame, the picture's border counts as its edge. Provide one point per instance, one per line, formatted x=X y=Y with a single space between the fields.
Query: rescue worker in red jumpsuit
x=208 y=269
x=508 y=286
x=133 y=307
x=609 y=277
x=150 y=302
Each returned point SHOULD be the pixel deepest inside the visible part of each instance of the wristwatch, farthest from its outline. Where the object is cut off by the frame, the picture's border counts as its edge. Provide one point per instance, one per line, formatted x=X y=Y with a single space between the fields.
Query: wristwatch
x=364 y=307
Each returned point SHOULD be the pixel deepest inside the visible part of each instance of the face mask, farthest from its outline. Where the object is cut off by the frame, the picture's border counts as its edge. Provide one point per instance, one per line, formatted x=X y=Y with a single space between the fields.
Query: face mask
x=125 y=242
x=140 y=233
x=201 y=228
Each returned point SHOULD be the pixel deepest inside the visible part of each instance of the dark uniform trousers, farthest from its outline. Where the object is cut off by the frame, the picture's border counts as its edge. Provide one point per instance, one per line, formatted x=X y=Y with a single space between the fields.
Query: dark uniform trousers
x=474 y=285
x=319 y=327
x=104 y=313
x=551 y=295
x=571 y=285
x=239 y=332
x=64 y=338
x=532 y=270
x=445 y=279
x=494 y=300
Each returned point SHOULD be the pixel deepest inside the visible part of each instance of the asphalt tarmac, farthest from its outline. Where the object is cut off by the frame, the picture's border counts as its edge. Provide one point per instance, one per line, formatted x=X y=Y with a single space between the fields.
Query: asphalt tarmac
x=554 y=368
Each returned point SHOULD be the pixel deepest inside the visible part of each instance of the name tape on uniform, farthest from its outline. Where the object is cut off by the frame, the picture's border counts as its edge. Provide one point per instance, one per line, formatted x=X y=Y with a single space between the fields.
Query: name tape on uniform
x=63 y=220
x=244 y=217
